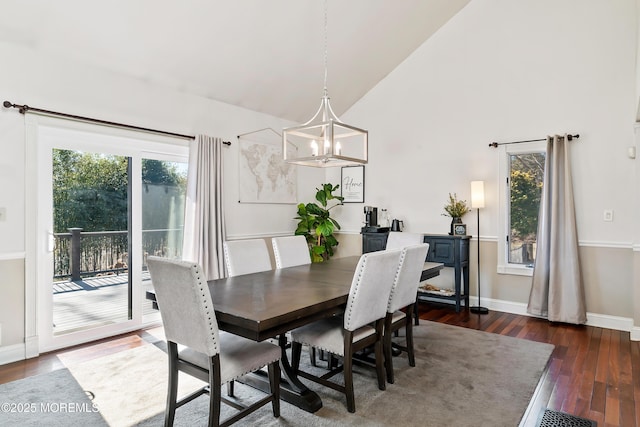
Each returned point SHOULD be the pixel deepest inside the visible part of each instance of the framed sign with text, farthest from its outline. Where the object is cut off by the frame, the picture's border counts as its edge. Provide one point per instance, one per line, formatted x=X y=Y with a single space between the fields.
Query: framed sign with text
x=352 y=184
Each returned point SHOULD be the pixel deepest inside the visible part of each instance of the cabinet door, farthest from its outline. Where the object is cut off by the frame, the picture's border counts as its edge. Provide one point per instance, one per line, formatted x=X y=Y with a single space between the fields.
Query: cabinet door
x=441 y=250
x=372 y=242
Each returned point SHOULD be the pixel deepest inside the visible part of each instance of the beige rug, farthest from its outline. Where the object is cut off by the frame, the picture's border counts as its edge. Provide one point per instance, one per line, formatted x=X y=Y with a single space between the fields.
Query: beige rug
x=462 y=378
x=130 y=386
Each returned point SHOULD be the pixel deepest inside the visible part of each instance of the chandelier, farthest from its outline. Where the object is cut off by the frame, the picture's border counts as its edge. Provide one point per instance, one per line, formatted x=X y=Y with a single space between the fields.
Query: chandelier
x=324 y=140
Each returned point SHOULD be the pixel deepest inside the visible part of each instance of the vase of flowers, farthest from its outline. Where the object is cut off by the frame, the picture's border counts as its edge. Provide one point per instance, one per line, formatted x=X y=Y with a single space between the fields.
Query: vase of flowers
x=455 y=209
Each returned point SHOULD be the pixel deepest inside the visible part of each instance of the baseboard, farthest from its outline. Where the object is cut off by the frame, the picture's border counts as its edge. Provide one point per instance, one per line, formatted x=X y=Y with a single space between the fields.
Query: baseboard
x=593 y=319
x=11 y=353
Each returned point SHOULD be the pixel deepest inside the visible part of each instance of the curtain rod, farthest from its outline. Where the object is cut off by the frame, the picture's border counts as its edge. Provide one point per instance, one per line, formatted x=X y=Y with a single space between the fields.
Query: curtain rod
x=495 y=144
x=25 y=108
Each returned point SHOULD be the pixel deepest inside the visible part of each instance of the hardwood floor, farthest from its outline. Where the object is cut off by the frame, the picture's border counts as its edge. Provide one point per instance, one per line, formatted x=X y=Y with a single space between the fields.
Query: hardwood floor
x=593 y=372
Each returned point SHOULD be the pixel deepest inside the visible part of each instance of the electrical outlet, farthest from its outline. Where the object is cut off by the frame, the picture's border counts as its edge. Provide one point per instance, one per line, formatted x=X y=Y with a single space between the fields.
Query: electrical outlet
x=3 y=214
x=608 y=215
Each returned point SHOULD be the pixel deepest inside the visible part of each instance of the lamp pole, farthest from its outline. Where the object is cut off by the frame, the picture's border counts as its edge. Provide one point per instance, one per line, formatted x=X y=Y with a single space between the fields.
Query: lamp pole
x=477 y=201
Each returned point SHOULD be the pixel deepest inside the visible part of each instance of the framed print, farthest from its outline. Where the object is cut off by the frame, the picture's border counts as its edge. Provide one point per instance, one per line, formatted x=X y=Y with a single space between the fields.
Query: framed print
x=459 y=229
x=263 y=177
x=352 y=184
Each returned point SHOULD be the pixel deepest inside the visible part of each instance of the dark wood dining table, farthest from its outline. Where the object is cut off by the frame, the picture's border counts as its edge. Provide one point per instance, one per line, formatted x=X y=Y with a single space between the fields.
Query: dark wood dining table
x=268 y=304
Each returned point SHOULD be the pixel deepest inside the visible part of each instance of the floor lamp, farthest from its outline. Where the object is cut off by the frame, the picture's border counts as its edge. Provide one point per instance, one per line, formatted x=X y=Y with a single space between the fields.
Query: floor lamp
x=477 y=202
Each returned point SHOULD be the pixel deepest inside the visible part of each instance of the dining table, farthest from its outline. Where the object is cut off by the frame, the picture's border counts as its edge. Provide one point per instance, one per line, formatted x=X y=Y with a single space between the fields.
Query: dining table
x=266 y=305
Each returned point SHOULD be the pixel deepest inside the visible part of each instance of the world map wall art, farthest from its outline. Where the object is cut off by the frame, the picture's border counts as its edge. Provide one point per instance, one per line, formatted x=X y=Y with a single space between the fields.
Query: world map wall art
x=264 y=176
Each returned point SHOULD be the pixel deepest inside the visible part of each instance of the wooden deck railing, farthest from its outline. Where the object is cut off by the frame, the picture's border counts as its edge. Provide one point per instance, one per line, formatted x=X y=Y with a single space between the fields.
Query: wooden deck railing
x=77 y=253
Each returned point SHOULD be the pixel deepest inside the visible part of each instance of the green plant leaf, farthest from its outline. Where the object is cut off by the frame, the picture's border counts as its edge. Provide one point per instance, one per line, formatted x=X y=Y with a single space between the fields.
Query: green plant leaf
x=321 y=196
x=325 y=228
x=318 y=250
x=331 y=240
x=316 y=224
x=314 y=209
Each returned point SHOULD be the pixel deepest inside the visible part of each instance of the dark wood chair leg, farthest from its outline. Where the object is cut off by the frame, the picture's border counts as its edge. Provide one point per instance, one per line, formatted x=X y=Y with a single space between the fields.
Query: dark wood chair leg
x=172 y=391
x=230 y=389
x=409 y=336
x=333 y=361
x=348 y=371
x=379 y=355
x=312 y=355
x=388 y=357
x=274 y=383
x=215 y=392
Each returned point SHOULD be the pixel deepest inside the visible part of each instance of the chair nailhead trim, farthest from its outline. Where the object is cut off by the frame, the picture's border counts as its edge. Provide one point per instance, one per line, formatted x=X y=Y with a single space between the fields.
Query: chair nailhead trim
x=395 y=279
x=357 y=285
x=206 y=308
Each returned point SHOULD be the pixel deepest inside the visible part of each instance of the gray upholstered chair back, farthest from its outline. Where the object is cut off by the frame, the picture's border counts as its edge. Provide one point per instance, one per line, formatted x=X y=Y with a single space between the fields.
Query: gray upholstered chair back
x=185 y=304
x=400 y=239
x=246 y=256
x=290 y=251
x=403 y=291
x=370 y=288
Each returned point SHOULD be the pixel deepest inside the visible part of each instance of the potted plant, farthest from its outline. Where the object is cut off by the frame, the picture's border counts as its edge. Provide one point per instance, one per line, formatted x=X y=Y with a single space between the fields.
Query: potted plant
x=455 y=209
x=316 y=224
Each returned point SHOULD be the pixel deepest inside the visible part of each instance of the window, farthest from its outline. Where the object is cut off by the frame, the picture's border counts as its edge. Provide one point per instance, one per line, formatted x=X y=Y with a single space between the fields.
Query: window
x=521 y=176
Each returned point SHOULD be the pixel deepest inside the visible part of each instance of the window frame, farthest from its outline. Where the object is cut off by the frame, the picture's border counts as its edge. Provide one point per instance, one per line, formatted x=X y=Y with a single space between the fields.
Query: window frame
x=504 y=266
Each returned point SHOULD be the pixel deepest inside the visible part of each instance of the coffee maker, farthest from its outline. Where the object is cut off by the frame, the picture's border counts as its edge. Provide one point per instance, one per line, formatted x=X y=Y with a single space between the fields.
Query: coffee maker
x=370 y=216
x=371 y=221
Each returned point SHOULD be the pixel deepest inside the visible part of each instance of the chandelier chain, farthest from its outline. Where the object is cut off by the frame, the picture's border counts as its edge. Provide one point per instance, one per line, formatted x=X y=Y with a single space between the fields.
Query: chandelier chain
x=325 y=47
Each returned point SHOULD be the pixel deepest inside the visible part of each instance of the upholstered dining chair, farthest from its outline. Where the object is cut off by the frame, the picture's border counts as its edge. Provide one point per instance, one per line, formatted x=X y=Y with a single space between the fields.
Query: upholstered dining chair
x=400 y=239
x=214 y=357
x=403 y=296
x=345 y=335
x=246 y=256
x=290 y=251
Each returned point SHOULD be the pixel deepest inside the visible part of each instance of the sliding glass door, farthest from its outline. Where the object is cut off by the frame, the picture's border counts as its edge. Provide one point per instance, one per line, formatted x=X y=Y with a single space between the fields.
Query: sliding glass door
x=92 y=240
x=164 y=188
x=105 y=202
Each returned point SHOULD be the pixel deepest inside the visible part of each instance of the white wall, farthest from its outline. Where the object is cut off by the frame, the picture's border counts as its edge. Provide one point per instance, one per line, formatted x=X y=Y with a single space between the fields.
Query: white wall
x=504 y=71
x=49 y=83
x=498 y=71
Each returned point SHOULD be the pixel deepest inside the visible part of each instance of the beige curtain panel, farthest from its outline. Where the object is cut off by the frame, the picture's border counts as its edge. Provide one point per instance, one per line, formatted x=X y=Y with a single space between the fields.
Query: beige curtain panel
x=557 y=290
x=204 y=228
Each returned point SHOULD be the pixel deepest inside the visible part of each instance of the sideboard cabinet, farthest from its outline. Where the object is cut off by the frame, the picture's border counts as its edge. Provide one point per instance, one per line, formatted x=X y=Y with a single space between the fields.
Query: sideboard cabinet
x=372 y=242
x=452 y=251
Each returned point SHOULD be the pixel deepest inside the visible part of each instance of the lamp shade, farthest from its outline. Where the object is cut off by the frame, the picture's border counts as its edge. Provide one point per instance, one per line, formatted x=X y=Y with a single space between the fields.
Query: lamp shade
x=477 y=194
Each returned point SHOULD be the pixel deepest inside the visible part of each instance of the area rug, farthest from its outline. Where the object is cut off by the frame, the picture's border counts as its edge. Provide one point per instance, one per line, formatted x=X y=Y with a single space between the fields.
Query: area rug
x=462 y=377
x=54 y=399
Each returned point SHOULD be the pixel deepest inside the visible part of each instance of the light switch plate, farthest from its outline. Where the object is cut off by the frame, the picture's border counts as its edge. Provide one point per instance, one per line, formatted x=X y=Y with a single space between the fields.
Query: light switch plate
x=608 y=215
x=3 y=214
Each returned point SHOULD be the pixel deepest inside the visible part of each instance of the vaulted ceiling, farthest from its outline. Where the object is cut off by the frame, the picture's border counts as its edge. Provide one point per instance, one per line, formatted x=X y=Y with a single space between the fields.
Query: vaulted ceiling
x=264 y=55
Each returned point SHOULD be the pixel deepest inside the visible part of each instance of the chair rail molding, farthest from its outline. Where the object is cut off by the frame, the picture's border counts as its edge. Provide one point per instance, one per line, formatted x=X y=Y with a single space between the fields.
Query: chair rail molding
x=9 y=256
